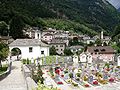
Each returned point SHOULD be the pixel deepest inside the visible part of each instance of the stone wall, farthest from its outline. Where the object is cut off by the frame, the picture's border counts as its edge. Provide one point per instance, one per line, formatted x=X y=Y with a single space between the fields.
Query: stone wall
x=31 y=85
x=5 y=74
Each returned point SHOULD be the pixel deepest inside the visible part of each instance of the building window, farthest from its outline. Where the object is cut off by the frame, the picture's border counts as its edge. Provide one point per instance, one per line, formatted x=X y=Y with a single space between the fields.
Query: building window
x=30 y=49
x=61 y=45
x=56 y=45
x=38 y=35
x=42 y=52
x=61 y=49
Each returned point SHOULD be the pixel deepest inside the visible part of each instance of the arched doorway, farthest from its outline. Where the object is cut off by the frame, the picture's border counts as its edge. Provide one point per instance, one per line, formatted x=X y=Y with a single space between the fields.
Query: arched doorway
x=16 y=53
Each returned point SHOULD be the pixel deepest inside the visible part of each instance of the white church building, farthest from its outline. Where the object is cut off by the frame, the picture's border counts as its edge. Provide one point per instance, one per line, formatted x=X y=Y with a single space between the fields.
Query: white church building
x=31 y=48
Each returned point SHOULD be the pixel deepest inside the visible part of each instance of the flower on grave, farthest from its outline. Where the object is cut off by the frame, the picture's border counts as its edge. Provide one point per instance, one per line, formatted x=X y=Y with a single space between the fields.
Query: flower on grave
x=85 y=78
x=57 y=71
x=107 y=69
x=111 y=80
x=61 y=69
x=59 y=82
x=95 y=82
x=62 y=75
x=47 y=71
x=87 y=85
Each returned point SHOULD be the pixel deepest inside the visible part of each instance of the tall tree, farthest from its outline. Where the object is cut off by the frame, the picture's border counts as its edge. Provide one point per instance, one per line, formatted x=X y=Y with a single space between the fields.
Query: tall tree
x=16 y=26
x=3 y=28
x=4 y=52
x=53 y=51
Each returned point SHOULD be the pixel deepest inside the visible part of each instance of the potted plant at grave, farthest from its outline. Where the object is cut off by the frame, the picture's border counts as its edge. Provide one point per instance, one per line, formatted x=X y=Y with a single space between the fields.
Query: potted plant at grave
x=85 y=78
x=77 y=79
x=71 y=76
x=66 y=71
x=74 y=84
x=78 y=74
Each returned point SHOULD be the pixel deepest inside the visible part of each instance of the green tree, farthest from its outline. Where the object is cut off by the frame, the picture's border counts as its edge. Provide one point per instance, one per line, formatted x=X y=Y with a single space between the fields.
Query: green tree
x=4 y=52
x=39 y=74
x=16 y=26
x=3 y=28
x=53 y=51
x=67 y=52
x=98 y=42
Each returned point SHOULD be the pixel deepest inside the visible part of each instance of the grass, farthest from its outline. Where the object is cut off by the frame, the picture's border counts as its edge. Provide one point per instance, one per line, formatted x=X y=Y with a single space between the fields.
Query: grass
x=52 y=59
x=3 y=68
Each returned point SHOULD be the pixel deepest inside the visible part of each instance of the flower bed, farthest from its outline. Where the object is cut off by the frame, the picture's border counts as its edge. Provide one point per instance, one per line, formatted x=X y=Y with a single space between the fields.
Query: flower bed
x=95 y=82
x=111 y=80
x=59 y=82
x=86 y=85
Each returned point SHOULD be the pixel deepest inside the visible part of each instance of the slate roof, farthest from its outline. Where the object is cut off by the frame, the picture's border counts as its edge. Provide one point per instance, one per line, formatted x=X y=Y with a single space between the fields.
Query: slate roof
x=57 y=41
x=101 y=49
x=28 y=42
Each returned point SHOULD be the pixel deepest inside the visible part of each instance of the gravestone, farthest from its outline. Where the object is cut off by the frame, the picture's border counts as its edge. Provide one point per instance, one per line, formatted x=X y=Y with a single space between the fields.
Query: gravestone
x=44 y=60
x=56 y=59
x=32 y=60
x=118 y=61
x=90 y=79
x=105 y=76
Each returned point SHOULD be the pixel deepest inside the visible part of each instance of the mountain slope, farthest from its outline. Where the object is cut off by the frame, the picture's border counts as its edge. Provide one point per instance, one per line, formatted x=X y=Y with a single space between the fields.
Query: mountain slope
x=95 y=14
x=115 y=3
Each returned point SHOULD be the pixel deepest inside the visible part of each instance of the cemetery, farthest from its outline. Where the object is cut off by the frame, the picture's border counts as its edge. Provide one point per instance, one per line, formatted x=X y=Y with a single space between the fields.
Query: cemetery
x=77 y=74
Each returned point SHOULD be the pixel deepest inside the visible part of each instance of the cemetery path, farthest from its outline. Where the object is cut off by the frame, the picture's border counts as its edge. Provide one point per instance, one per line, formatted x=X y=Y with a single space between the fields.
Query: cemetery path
x=15 y=80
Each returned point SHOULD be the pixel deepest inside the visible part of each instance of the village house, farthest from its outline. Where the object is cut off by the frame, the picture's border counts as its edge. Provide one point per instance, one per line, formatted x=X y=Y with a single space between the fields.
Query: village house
x=30 y=48
x=6 y=39
x=47 y=37
x=105 y=53
x=49 y=30
x=59 y=45
x=31 y=32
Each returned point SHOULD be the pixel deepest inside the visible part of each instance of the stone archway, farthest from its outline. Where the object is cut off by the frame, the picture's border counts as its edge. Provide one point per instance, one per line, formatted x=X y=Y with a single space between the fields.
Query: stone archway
x=15 y=53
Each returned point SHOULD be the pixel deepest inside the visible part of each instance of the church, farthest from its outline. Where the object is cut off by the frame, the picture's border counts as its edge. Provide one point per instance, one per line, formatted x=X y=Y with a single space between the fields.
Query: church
x=31 y=48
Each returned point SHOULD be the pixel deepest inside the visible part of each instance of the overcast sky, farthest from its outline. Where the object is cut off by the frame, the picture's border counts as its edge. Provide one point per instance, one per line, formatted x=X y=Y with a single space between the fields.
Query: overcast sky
x=115 y=3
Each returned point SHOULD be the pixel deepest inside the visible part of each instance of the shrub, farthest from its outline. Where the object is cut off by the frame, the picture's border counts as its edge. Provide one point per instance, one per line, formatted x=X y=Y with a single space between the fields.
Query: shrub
x=65 y=71
x=78 y=74
x=24 y=61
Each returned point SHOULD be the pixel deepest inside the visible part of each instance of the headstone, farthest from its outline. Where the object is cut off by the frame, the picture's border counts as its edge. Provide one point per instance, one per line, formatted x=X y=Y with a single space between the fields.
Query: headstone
x=44 y=60
x=56 y=59
x=118 y=61
x=105 y=76
x=65 y=65
x=90 y=79
x=32 y=60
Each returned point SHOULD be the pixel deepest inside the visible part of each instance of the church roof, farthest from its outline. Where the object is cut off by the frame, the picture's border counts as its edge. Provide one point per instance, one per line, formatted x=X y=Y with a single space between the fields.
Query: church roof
x=28 y=42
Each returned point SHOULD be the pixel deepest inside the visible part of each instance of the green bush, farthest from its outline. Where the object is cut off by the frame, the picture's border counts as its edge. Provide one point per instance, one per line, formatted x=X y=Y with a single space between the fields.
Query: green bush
x=65 y=71
x=78 y=74
x=24 y=61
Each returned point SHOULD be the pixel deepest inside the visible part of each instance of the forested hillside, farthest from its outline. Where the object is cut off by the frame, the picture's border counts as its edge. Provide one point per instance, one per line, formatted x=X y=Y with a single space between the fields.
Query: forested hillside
x=93 y=15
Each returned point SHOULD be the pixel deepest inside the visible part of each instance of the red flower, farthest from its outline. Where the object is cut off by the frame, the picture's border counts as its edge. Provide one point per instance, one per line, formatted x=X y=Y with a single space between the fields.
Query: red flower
x=86 y=85
x=59 y=83
x=57 y=72
x=111 y=80
x=95 y=83
x=62 y=75
x=108 y=69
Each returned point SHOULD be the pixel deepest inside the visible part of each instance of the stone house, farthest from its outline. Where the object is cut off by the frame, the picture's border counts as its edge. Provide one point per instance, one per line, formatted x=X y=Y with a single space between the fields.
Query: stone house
x=59 y=45
x=105 y=53
x=47 y=37
x=6 y=39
